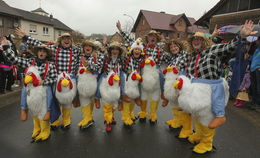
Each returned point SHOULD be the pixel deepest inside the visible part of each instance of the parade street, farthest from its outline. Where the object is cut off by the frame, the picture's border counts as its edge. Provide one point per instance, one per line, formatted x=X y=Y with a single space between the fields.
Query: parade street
x=238 y=138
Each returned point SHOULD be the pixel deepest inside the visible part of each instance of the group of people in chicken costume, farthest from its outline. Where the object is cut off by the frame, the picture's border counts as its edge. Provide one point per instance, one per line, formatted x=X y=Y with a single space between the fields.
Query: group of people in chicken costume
x=78 y=76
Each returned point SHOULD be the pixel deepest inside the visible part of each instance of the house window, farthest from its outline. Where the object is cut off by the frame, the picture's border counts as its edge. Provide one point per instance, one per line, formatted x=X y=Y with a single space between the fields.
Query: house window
x=180 y=22
x=9 y=23
x=45 y=30
x=143 y=22
x=1 y=22
x=33 y=28
x=178 y=35
x=59 y=33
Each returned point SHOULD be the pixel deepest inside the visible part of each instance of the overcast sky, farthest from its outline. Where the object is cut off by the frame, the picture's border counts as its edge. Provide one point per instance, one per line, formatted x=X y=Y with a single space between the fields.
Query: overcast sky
x=100 y=16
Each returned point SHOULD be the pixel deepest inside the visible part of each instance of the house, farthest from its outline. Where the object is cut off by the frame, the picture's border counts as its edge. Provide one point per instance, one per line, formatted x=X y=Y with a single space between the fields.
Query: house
x=230 y=12
x=116 y=37
x=37 y=23
x=171 y=26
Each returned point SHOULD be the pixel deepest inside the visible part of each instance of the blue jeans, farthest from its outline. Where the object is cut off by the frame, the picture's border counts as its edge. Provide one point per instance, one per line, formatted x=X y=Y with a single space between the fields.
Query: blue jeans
x=217 y=95
x=122 y=84
x=49 y=98
x=161 y=77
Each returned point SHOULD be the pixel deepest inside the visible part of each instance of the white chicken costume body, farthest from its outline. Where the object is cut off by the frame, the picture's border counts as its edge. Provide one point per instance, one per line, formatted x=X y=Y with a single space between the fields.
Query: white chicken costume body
x=195 y=98
x=180 y=118
x=37 y=103
x=65 y=93
x=87 y=86
x=132 y=91
x=110 y=94
x=150 y=89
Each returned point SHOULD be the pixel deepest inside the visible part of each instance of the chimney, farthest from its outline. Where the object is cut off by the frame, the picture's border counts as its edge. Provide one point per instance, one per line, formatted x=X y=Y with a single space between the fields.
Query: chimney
x=163 y=12
x=51 y=17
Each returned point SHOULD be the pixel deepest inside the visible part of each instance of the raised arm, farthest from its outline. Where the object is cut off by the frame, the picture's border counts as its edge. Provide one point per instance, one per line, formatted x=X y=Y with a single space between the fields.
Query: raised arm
x=10 y=55
x=222 y=50
x=30 y=40
x=125 y=36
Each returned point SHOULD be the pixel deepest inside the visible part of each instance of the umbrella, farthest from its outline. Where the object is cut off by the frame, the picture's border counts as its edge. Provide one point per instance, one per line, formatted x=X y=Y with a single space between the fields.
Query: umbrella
x=225 y=29
x=235 y=29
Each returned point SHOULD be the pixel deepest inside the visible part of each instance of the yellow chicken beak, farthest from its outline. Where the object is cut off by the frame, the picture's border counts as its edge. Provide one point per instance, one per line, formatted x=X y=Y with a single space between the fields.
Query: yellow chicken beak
x=169 y=69
x=65 y=82
x=147 y=61
x=86 y=70
x=176 y=84
x=116 y=78
x=138 y=77
x=28 y=79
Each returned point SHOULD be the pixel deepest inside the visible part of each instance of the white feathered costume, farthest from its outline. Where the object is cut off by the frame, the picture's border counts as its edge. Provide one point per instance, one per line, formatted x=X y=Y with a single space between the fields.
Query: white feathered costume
x=87 y=86
x=195 y=98
x=37 y=103
x=110 y=94
x=150 y=89
x=65 y=93
x=132 y=91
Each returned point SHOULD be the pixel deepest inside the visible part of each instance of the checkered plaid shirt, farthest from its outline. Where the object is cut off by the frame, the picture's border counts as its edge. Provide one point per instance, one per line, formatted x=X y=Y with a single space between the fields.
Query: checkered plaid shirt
x=210 y=60
x=92 y=63
x=63 y=58
x=179 y=60
x=105 y=64
x=25 y=62
x=127 y=38
x=131 y=64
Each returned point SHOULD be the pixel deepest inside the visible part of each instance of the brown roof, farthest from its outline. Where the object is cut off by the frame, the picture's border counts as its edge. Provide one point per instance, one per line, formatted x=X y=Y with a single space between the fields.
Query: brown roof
x=7 y=10
x=22 y=14
x=207 y=16
x=163 y=21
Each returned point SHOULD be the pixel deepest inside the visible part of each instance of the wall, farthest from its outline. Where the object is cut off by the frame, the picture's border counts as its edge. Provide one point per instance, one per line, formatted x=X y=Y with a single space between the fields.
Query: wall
x=142 y=28
x=25 y=26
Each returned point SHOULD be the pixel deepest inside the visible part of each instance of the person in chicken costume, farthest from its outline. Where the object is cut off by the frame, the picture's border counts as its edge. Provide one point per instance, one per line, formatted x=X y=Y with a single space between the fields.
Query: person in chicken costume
x=110 y=75
x=37 y=94
x=133 y=80
x=151 y=49
x=176 y=60
x=66 y=59
x=203 y=69
x=87 y=74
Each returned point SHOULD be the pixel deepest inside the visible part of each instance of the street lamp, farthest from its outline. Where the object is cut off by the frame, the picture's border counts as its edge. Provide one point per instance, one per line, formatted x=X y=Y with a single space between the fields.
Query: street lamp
x=133 y=22
x=130 y=17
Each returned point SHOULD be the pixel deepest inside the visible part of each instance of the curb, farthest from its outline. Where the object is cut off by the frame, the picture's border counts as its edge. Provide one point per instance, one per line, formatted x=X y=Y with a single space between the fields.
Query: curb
x=10 y=97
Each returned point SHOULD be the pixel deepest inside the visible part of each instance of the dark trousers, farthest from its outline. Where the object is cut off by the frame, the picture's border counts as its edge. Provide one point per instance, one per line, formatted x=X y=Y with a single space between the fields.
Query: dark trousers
x=255 y=86
x=6 y=75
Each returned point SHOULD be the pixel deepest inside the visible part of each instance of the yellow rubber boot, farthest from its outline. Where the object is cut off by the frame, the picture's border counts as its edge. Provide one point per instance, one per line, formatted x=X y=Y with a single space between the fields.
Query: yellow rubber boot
x=176 y=121
x=132 y=114
x=66 y=117
x=153 y=110
x=108 y=113
x=143 y=114
x=126 y=117
x=36 y=127
x=55 y=124
x=206 y=141
x=45 y=131
x=87 y=115
x=186 y=130
x=197 y=136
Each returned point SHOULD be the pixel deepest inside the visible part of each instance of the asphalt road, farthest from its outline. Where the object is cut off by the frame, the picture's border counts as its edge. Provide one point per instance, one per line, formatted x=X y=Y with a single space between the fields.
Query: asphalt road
x=238 y=138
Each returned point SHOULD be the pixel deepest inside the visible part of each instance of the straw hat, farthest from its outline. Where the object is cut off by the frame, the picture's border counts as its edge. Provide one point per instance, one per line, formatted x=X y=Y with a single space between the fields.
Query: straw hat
x=63 y=35
x=153 y=32
x=44 y=47
x=206 y=41
x=115 y=45
x=89 y=43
